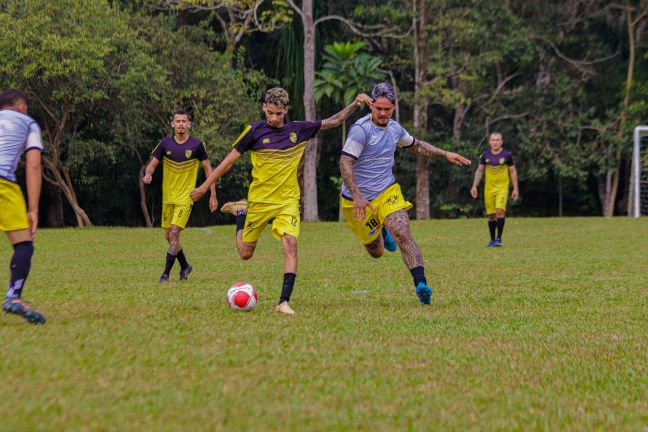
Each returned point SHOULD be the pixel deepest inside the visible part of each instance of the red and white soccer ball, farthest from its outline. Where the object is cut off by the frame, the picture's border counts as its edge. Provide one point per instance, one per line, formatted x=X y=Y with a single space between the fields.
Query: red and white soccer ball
x=242 y=297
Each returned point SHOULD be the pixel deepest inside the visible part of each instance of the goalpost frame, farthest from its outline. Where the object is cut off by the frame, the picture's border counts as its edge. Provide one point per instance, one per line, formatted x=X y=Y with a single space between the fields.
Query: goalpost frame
x=635 y=176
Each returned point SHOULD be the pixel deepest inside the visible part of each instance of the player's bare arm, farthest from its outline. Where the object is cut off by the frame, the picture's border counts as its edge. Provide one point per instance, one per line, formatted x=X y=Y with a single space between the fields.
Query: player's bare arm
x=360 y=204
x=213 y=200
x=428 y=150
x=479 y=173
x=34 y=176
x=216 y=174
x=149 y=170
x=336 y=120
x=514 y=179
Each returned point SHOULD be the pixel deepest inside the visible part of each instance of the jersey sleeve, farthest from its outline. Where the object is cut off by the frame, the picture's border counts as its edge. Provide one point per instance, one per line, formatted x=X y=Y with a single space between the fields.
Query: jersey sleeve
x=202 y=152
x=509 y=160
x=158 y=151
x=34 y=138
x=405 y=140
x=244 y=141
x=355 y=142
x=308 y=129
x=482 y=159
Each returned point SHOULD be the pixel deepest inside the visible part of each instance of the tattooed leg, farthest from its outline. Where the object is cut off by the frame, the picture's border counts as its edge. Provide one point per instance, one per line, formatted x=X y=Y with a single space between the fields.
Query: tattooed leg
x=376 y=248
x=398 y=225
x=245 y=249
x=174 y=240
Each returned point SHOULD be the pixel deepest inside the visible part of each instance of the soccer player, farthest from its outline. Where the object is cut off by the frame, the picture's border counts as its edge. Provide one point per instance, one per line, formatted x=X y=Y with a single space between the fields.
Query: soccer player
x=181 y=154
x=19 y=134
x=372 y=203
x=277 y=147
x=499 y=167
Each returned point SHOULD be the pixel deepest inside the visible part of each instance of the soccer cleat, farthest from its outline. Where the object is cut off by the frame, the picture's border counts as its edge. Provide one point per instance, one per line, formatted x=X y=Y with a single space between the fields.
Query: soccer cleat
x=497 y=243
x=491 y=243
x=185 y=272
x=424 y=293
x=284 y=308
x=235 y=207
x=18 y=307
x=390 y=244
x=164 y=278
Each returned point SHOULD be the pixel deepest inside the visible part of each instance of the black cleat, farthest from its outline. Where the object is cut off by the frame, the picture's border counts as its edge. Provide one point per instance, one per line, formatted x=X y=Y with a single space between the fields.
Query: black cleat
x=185 y=272
x=164 y=278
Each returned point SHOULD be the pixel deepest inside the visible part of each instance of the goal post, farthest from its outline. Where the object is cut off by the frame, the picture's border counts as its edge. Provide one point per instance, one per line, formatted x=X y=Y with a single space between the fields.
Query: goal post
x=639 y=175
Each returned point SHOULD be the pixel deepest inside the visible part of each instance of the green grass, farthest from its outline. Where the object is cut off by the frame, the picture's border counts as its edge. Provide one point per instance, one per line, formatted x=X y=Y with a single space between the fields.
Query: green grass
x=548 y=332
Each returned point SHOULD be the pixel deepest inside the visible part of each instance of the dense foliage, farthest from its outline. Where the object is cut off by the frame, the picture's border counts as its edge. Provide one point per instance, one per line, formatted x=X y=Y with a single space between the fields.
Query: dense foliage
x=563 y=81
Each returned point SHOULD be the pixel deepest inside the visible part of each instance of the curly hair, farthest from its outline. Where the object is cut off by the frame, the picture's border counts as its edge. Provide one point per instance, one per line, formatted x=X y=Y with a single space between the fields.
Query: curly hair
x=277 y=96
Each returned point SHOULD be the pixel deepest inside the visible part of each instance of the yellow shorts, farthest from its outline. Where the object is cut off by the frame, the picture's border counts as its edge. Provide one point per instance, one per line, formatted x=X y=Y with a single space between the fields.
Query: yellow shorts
x=13 y=211
x=175 y=215
x=284 y=217
x=496 y=198
x=386 y=203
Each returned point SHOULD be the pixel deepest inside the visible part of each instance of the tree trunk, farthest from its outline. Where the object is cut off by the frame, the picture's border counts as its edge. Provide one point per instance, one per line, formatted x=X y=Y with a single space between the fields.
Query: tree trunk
x=63 y=181
x=420 y=110
x=310 y=154
x=143 y=206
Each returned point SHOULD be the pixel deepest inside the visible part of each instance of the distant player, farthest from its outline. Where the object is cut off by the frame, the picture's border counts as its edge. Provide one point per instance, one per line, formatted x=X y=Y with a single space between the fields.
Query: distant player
x=371 y=198
x=19 y=134
x=180 y=154
x=499 y=166
x=277 y=147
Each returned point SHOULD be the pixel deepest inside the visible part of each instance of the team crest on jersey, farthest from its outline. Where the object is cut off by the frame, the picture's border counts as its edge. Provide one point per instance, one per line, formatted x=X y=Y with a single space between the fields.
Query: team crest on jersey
x=168 y=152
x=373 y=140
x=487 y=160
x=266 y=140
x=392 y=200
x=293 y=137
x=187 y=154
x=502 y=160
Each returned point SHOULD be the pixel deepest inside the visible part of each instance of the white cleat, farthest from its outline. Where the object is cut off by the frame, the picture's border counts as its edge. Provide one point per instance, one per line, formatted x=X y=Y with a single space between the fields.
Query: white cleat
x=284 y=308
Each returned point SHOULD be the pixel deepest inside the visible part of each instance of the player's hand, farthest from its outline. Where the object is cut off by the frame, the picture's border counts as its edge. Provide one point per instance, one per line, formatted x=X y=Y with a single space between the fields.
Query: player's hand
x=363 y=99
x=457 y=159
x=515 y=195
x=147 y=178
x=213 y=203
x=198 y=193
x=360 y=205
x=473 y=192
x=32 y=218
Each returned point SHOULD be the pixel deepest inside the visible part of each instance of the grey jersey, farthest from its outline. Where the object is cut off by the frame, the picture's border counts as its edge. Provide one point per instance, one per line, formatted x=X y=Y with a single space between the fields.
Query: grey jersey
x=373 y=148
x=19 y=133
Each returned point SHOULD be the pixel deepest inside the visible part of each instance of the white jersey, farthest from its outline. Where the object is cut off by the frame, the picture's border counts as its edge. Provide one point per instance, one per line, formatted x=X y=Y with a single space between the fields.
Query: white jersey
x=19 y=133
x=373 y=149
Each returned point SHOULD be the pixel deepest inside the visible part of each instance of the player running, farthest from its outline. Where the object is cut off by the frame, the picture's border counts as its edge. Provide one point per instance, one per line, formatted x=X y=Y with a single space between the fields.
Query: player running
x=372 y=202
x=19 y=134
x=499 y=167
x=180 y=155
x=277 y=147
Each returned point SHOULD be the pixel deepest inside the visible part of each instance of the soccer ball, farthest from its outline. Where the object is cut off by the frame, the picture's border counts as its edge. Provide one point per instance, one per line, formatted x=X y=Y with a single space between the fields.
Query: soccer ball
x=242 y=297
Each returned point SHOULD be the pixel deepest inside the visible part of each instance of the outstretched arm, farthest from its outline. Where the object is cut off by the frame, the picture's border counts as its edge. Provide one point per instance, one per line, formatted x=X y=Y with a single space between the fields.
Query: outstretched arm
x=150 y=169
x=216 y=173
x=514 y=178
x=478 y=176
x=213 y=200
x=360 y=204
x=337 y=119
x=426 y=149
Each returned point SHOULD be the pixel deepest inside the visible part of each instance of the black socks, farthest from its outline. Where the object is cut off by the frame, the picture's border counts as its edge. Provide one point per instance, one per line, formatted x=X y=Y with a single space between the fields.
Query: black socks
x=20 y=265
x=500 y=227
x=418 y=274
x=288 y=284
x=491 y=228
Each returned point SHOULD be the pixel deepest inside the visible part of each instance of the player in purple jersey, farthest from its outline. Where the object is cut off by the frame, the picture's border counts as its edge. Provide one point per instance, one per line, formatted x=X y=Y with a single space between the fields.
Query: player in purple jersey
x=181 y=155
x=371 y=198
x=19 y=134
x=276 y=148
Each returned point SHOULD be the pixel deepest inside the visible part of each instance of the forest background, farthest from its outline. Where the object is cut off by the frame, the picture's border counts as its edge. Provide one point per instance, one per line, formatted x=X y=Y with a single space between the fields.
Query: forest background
x=564 y=81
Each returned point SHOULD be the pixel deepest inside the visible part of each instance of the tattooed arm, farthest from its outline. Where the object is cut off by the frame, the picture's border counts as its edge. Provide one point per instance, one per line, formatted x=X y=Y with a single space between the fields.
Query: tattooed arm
x=337 y=119
x=428 y=150
x=478 y=176
x=360 y=204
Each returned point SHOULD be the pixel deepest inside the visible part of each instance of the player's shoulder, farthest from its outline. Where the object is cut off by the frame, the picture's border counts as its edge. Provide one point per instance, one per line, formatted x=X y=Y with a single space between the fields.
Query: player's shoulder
x=26 y=119
x=195 y=142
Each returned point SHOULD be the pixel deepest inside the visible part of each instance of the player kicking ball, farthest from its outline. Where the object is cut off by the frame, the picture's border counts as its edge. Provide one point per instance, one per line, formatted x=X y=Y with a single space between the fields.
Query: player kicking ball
x=500 y=171
x=277 y=147
x=371 y=199
x=180 y=154
x=19 y=134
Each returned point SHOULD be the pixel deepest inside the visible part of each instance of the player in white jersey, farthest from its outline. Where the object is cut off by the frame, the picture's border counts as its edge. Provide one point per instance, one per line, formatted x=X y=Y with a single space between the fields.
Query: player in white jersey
x=19 y=134
x=372 y=202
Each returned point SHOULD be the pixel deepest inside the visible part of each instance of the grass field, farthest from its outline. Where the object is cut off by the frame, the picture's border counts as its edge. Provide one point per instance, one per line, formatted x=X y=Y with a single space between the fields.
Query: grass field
x=549 y=332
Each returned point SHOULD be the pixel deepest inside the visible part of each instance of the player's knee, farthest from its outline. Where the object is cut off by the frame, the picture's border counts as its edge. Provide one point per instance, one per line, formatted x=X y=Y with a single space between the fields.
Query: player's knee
x=245 y=254
x=500 y=213
x=376 y=252
x=491 y=217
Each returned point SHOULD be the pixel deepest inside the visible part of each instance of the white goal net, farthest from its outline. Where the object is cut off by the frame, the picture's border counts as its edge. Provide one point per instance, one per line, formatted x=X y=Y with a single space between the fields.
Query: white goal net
x=639 y=175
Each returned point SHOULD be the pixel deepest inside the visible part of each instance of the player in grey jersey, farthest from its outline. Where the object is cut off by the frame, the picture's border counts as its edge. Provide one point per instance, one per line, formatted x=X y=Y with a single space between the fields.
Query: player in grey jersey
x=372 y=202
